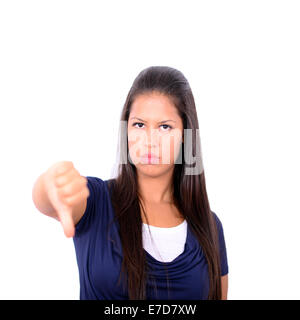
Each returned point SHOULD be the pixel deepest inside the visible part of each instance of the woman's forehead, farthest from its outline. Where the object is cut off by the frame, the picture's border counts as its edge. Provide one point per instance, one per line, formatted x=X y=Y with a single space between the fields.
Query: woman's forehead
x=155 y=108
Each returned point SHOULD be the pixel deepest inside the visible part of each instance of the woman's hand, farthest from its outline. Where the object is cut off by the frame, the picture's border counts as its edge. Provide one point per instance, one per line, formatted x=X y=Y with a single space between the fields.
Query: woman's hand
x=65 y=188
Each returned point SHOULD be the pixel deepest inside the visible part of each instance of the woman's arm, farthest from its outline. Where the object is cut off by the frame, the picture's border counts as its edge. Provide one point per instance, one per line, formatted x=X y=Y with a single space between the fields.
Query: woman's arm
x=224 y=286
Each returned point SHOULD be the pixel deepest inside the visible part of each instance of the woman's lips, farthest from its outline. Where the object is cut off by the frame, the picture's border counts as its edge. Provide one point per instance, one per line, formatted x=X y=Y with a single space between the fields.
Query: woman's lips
x=149 y=158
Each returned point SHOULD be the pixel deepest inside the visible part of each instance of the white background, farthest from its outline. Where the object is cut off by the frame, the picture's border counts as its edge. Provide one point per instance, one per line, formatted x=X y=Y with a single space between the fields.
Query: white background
x=65 y=70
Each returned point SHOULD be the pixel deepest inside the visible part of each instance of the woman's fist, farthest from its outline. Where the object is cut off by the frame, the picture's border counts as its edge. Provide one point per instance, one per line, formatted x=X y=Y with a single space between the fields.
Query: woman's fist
x=65 y=188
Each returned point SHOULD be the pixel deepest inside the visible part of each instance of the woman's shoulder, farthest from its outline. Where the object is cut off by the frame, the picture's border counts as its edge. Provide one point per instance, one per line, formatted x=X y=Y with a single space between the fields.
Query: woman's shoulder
x=97 y=208
x=95 y=180
x=97 y=184
x=218 y=221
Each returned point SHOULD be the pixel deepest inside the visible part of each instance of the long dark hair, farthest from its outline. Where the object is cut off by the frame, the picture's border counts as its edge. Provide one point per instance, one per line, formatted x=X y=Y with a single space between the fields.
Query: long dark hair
x=189 y=190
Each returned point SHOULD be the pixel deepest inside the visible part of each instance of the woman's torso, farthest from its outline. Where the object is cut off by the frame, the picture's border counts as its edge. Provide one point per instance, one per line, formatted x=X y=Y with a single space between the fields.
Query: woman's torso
x=99 y=258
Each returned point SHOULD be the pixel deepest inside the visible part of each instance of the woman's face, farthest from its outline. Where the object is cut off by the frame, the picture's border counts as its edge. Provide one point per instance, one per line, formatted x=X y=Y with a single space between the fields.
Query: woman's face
x=154 y=128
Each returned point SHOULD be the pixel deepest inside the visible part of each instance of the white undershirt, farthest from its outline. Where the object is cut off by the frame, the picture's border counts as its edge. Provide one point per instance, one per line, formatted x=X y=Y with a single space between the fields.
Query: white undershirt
x=167 y=244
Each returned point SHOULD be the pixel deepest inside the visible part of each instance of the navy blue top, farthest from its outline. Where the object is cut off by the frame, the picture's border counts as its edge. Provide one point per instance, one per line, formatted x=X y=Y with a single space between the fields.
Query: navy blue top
x=99 y=259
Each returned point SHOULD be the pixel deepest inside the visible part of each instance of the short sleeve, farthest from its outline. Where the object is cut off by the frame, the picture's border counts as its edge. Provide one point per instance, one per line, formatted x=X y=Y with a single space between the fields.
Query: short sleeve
x=96 y=196
x=222 y=244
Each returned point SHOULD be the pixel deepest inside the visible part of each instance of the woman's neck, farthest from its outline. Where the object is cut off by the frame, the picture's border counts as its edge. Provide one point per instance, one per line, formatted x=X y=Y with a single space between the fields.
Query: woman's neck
x=156 y=190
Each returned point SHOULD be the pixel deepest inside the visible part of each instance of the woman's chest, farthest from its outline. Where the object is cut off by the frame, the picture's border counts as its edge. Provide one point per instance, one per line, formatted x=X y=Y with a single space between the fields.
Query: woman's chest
x=186 y=278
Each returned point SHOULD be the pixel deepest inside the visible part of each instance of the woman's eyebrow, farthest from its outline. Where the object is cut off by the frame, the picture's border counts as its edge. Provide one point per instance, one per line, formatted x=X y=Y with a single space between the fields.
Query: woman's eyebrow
x=157 y=122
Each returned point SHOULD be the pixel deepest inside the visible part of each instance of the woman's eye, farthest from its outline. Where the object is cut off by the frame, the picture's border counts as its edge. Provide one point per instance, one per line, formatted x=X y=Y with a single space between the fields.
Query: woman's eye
x=168 y=127
x=137 y=123
x=163 y=125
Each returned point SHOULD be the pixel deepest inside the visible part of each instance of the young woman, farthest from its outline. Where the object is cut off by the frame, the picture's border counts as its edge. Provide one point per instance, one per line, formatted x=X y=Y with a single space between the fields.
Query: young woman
x=148 y=233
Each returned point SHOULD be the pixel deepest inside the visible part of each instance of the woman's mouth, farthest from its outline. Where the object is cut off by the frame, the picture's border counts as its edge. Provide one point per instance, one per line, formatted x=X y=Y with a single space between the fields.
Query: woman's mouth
x=149 y=159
